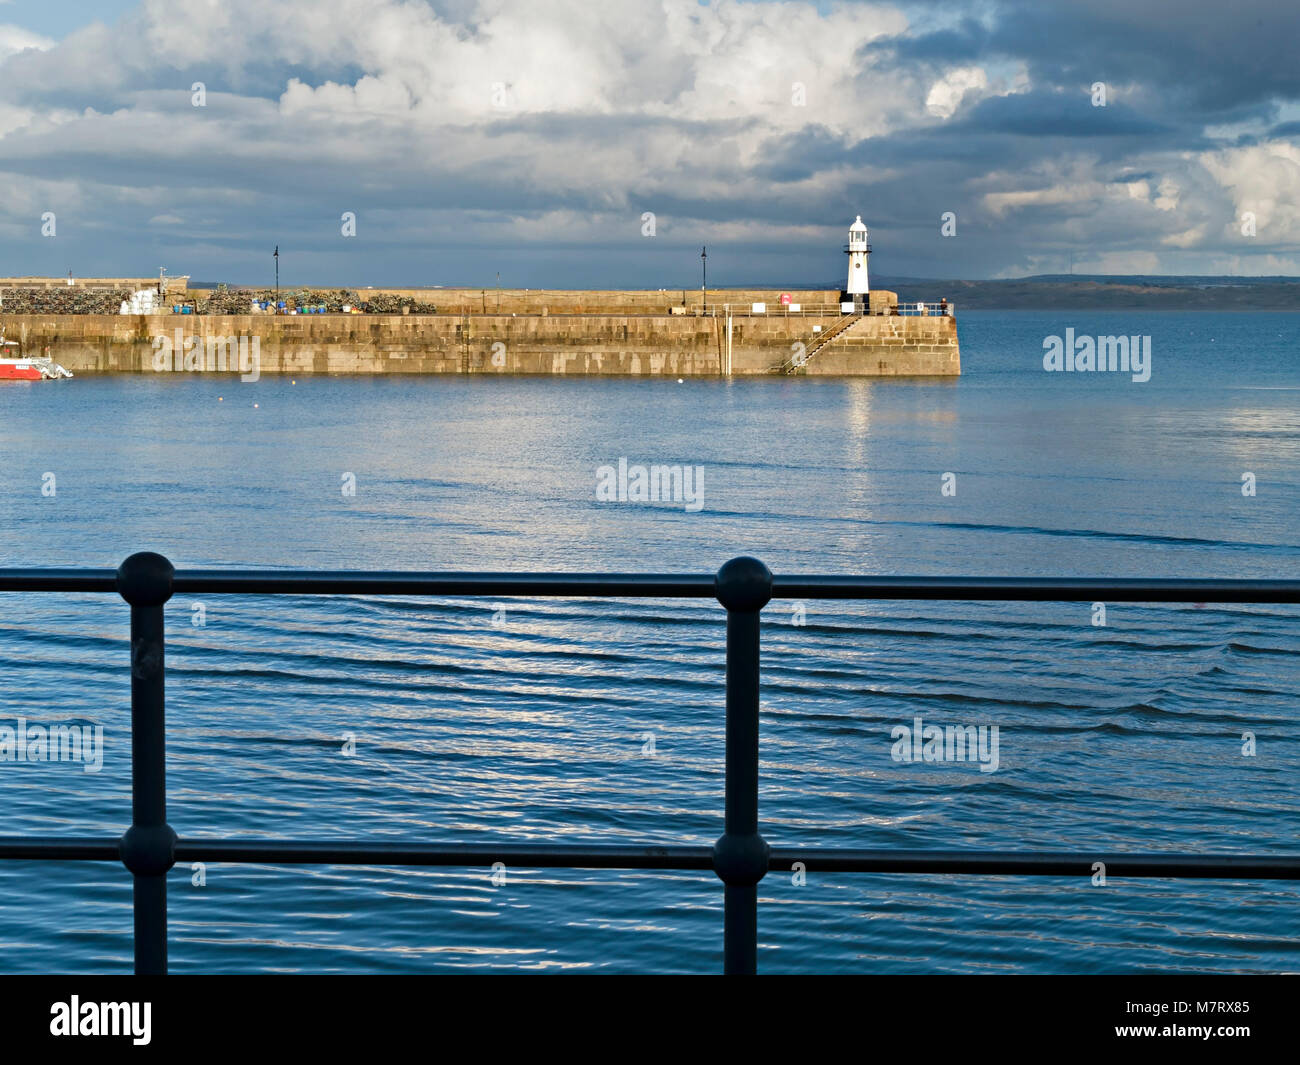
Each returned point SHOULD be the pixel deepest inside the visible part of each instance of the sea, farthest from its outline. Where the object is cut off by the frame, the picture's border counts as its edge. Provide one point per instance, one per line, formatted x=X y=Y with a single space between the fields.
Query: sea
x=1120 y=727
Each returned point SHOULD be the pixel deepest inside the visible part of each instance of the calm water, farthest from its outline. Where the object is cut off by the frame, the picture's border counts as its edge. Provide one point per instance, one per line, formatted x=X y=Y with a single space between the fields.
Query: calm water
x=1123 y=737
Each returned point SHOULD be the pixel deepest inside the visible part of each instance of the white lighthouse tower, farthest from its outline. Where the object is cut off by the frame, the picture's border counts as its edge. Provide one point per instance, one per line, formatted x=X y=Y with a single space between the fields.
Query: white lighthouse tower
x=859 y=251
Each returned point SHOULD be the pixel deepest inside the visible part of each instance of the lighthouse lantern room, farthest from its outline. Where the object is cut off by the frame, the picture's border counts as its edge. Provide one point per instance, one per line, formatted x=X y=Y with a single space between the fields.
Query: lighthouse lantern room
x=858 y=251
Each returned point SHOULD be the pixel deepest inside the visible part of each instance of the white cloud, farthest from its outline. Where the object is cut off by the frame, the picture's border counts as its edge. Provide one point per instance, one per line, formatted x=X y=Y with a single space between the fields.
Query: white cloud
x=15 y=39
x=947 y=93
x=1262 y=179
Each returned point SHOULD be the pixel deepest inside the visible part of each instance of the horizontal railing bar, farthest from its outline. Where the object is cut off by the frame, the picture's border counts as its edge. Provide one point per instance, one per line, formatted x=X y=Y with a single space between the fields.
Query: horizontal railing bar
x=70 y=849
x=58 y=580
x=549 y=856
x=781 y=859
x=376 y=582
x=670 y=586
x=346 y=852
x=1012 y=863
x=1045 y=589
x=360 y=582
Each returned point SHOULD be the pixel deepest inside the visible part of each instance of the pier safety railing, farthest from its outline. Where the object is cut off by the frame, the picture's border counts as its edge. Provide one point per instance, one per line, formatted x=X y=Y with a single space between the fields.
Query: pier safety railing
x=942 y=309
x=740 y=858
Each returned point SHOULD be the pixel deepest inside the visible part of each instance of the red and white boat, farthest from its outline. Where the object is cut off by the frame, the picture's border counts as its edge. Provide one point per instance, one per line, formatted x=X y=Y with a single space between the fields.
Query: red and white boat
x=13 y=367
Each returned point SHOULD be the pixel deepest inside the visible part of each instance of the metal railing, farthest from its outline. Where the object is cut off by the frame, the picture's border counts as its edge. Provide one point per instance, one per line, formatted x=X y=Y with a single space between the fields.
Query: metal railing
x=740 y=857
x=799 y=361
x=772 y=309
x=921 y=309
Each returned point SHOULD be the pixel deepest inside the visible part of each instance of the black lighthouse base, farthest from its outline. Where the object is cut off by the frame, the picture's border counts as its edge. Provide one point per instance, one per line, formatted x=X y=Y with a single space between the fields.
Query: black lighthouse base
x=860 y=300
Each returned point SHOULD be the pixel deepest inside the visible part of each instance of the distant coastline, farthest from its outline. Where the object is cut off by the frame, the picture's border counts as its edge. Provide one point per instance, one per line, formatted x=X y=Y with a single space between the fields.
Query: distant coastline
x=1065 y=292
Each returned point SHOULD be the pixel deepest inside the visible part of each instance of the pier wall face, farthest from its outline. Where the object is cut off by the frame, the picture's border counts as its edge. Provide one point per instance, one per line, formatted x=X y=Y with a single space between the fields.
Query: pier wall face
x=614 y=344
x=892 y=347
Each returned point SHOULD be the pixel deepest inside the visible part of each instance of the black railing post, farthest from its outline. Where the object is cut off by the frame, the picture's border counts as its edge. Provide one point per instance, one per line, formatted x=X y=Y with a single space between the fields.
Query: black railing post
x=148 y=847
x=740 y=856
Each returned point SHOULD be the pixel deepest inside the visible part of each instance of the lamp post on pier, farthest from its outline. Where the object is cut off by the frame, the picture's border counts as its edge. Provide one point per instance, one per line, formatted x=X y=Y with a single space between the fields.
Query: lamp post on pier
x=704 y=278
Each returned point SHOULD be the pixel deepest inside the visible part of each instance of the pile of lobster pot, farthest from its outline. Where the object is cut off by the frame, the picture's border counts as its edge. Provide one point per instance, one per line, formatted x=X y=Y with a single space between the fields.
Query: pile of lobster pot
x=310 y=301
x=69 y=300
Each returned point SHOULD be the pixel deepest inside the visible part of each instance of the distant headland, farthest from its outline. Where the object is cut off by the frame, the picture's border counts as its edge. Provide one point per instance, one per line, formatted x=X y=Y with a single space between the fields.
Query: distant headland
x=1111 y=293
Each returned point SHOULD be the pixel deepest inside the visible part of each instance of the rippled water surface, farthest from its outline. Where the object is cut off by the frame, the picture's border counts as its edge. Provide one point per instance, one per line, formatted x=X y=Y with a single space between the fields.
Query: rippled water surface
x=532 y=720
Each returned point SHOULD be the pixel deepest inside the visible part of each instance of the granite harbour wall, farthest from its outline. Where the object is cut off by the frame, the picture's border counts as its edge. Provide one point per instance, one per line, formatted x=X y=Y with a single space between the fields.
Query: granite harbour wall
x=670 y=344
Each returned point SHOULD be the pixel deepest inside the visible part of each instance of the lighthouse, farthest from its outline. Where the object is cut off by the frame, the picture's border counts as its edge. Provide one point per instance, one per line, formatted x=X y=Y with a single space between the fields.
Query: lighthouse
x=858 y=250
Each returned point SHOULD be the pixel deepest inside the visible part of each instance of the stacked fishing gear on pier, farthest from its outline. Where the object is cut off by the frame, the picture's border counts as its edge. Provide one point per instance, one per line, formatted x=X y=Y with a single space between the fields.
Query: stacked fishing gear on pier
x=386 y=303
x=310 y=301
x=64 y=300
x=78 y=299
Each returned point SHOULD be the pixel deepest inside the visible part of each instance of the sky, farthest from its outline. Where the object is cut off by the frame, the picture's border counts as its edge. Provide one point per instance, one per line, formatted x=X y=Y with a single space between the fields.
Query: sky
x=568 y=144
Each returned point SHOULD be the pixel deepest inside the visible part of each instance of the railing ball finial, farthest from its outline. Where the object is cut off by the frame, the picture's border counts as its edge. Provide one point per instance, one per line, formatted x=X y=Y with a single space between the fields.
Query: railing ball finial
x=145 y=579
x=744 y=583
x=741 y=860
x=148 y=850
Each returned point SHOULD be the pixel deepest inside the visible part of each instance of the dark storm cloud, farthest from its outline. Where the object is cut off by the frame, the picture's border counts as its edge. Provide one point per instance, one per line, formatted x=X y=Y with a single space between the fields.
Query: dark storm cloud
x=1056 y=114
x=1195 y=56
